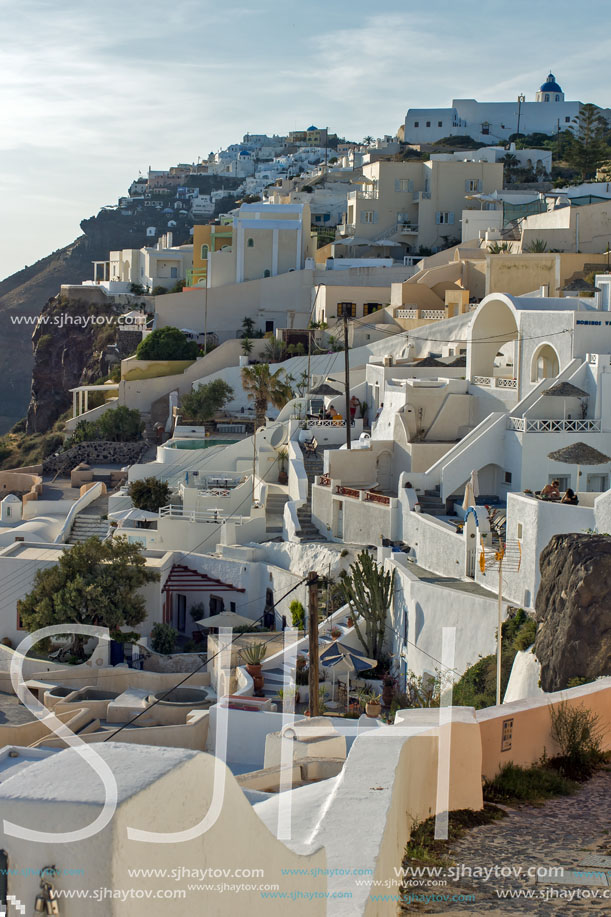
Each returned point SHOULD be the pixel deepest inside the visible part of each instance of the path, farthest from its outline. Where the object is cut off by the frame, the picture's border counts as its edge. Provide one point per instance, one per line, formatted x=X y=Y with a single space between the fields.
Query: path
x=564 y=832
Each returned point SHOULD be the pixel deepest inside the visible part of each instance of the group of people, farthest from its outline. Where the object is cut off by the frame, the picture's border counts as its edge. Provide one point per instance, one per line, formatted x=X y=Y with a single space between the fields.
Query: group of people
x=552 y=492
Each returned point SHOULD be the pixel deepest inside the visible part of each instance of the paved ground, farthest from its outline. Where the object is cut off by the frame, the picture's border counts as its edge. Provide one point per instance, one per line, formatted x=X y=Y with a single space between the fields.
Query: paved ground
x=565 y=832
x=12 y=712
x=449 y=582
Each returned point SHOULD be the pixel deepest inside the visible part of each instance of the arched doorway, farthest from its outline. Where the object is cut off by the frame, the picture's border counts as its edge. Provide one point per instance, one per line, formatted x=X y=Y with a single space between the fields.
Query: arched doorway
x=545 y=363
x=493 y=325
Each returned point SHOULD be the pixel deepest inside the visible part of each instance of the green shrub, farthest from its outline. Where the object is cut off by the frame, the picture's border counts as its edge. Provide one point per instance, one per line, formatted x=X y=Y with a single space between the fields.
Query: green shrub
x=578 y=732
x=163 y=638
x=297 y=614
x=119 y=424
x=166 y=344
x=206 y=400
x=149 y=494
x=526 y=784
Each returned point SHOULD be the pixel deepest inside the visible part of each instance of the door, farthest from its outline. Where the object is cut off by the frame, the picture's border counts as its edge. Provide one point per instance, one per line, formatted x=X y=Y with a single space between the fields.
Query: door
x=181 y=608
x=338 y=518
x=384 y=471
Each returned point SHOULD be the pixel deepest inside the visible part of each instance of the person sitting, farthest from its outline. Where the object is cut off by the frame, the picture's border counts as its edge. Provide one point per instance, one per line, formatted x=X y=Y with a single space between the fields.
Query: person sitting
x=551 y=491
x=570 y=497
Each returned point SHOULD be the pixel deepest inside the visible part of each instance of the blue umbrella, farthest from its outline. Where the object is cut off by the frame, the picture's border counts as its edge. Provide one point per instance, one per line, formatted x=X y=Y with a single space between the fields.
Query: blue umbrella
x=345 y=659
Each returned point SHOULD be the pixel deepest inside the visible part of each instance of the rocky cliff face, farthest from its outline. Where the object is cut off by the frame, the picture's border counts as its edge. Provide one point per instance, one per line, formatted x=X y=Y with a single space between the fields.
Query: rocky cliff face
x=573 y=608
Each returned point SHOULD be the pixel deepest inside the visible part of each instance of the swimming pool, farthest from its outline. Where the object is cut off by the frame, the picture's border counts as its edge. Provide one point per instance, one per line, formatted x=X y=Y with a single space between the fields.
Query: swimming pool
x=199 y=443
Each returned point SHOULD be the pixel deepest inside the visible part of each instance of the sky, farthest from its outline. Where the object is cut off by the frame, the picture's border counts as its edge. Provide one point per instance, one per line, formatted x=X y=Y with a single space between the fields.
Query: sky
x=92 y=93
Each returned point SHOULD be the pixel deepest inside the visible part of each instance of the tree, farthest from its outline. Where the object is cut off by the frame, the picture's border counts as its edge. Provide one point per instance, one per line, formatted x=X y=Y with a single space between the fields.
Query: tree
x=95 y=582
x=510 y=164
x=248 y=327
x=368 y=140
x=149 y=494
x=166 y=344
x=206 y=400
x=274 y=350
x=588 y=148
x=537 y=246
x=247 y=346
x=263 y=387
x=368 y=589
x=297 y=614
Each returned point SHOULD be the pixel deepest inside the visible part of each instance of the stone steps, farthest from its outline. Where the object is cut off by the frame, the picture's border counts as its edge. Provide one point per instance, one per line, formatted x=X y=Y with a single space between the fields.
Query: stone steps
x=86 y=526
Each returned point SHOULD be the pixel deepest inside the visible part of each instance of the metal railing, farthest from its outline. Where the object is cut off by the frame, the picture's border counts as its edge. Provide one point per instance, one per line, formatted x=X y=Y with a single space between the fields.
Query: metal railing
x=526 y=425
x=196 y=515
x=407 y=227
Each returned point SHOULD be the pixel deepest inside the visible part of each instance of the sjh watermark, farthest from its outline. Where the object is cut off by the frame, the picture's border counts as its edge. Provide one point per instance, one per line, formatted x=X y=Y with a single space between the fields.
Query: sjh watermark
x=65 y=319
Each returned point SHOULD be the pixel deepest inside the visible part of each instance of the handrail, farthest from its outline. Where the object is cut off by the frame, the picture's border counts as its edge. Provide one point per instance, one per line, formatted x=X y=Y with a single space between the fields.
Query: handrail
x=90 y=496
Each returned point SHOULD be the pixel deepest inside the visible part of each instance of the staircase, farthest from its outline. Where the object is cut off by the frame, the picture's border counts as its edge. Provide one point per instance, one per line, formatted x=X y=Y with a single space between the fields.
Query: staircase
x=313 y=464
x=274 y=512
x=431 y=502
x=86 y=526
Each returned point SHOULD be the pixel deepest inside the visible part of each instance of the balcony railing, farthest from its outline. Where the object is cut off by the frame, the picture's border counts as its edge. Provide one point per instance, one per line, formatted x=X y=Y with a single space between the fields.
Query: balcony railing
x=372 y=497
x=194 y=515
x=495 y=381
x=526 y=425
x=196 y=277
x=348 y=492
x=422 y=196
x=407 y=228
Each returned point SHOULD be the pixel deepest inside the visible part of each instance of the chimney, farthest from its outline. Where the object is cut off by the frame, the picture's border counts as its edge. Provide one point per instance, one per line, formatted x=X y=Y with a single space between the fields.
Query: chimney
x=544 y=291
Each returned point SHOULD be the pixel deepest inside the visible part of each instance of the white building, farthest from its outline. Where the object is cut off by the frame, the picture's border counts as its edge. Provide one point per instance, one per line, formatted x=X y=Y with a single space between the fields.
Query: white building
x=160 y=266
x=493 y=121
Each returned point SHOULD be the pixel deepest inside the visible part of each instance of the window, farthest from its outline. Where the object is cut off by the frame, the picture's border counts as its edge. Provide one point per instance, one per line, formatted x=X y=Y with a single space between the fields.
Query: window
x=428 y=123
x=269 y=326
x=567 y=120
x=266 y=273
x=204 y=252
x=557 y=98
x=485 y=127
x=564 y=481
x=444 y=216
x=174 y=273
x=369 y=216
x=416 y=123
x=440 y=124
x=404 y=184
x=370 y=307
x=508 y=477
x=346 y=308
x=232 y=607
x=216 y=605
x=519 y=530
x=547 y=96
x=251 y=243
x=473 y=184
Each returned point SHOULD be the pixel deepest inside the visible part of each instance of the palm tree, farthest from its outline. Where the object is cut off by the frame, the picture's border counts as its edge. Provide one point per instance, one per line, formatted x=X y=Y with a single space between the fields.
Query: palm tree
x=247 y=346
x=274 y=350
x=264 y=387
x=368 y=140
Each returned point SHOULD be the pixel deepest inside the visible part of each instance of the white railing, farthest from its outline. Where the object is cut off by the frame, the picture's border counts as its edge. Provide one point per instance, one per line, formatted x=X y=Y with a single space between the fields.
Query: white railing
x=506 y=383
x=407 y=227
x=406 y=313
x=196 y=515
x=525 y=425
x=482 y=380
x=422 y=196
x=327 y=423
x=435 y=314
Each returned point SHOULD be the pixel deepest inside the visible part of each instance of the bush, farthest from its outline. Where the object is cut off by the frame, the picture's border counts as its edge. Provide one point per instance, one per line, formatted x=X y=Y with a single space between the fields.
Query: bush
x=577 y=730
x=166 y=344
x=297 y=614
x=526 y=784
x=52 y=443
x=163 y=638
x=120 y=424
x=149 y=494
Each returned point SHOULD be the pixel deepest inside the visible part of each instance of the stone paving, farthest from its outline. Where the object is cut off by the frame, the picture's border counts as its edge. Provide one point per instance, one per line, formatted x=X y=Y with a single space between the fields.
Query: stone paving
x=565 y=831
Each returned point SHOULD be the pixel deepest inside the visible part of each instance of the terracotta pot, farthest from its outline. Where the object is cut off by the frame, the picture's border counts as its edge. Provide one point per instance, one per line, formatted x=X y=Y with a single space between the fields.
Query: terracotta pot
x=373 y=710
x=283 y=477
x=350 y=621
x=255 y=673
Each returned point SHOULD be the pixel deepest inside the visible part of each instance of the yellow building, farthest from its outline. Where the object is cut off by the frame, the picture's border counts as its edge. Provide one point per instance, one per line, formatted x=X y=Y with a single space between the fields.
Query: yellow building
x=213 y=237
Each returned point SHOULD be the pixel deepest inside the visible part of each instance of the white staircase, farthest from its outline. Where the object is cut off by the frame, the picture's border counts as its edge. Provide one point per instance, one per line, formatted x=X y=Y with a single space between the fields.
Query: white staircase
x=87 y=526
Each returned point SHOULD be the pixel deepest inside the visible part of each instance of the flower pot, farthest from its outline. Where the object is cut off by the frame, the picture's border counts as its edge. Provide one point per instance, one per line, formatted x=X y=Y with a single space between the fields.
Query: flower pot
x=387 y=694
x=283 y=477
x=350 y=621
x=336 y=633
x=373 y=710
x=255 y=673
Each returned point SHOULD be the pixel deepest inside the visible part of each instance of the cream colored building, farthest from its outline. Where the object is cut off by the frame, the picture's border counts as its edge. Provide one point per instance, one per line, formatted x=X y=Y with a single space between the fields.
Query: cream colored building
x=417 y=204
x=160 y=266
x=570 y=229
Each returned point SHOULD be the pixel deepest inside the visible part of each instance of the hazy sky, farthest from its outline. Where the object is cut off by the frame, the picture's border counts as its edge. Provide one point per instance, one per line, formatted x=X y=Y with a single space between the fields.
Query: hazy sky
x=93 y=92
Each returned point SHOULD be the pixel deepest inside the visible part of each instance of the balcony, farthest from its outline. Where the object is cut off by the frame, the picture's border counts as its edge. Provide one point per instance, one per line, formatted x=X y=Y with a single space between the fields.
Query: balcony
x=407 y=228
x=347 y=229
x=197 y=277
x=526 y=425
x=421 y=196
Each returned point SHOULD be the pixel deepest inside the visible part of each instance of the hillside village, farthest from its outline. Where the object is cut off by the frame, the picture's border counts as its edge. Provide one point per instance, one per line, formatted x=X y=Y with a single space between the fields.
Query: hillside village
x=309 y=517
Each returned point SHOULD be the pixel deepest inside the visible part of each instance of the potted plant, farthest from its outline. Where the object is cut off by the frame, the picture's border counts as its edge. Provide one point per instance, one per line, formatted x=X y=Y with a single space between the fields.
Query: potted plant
x=335 y=632
x=288 y=696
x=283 y=477
x=298 y=621
x=253 y=656
x=373 y=707
x=350 y=621
x=302 y=679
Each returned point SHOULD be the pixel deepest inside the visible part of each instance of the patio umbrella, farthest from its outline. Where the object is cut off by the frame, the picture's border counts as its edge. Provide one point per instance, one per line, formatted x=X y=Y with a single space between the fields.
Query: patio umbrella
x=579 y=454
x=341 y=658
x=227 y=619
x=323 y=389
x=565 y=390
x=133 y=515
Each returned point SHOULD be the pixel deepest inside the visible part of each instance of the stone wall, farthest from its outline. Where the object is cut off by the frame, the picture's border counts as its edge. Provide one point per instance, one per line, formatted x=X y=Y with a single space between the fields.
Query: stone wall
x=94 y=453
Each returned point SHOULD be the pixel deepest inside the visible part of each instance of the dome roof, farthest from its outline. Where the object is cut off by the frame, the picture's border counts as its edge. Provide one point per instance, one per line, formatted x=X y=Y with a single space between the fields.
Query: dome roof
x=312 y=127
x=550 y=84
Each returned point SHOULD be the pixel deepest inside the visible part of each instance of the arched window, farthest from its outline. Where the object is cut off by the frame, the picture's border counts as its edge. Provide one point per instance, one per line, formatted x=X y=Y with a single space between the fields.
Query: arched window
x=547 y=96
x=204 y=252
x=266 y=273
x=557 y=98
x=251 y=243
x=545 y=363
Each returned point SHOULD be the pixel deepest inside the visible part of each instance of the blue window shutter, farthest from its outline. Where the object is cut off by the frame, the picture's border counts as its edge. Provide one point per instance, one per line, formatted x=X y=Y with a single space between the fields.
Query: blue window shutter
x=450 y=218
x=375 y=216
x=480 y=185
x=438 y=217
x=397 y=184
x=467 y=184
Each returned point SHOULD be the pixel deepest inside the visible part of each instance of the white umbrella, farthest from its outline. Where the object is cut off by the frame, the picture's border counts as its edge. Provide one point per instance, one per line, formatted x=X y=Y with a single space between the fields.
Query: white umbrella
x=133 y=515
x=345 y=659
x=227 y=619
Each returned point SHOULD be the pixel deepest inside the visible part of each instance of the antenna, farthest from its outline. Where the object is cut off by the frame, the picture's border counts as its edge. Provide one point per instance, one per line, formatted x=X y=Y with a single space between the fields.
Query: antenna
x=507 y=556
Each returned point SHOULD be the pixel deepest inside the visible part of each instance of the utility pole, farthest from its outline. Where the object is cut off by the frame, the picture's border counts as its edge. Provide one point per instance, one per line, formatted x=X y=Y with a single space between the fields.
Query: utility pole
x=521 y=98
x=344 y=306
x=499 y=639
x=313 y=641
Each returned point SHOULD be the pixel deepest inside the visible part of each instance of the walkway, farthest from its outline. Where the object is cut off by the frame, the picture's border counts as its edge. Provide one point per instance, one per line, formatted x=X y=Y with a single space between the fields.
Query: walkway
x=426 y=576
x=570 y=832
